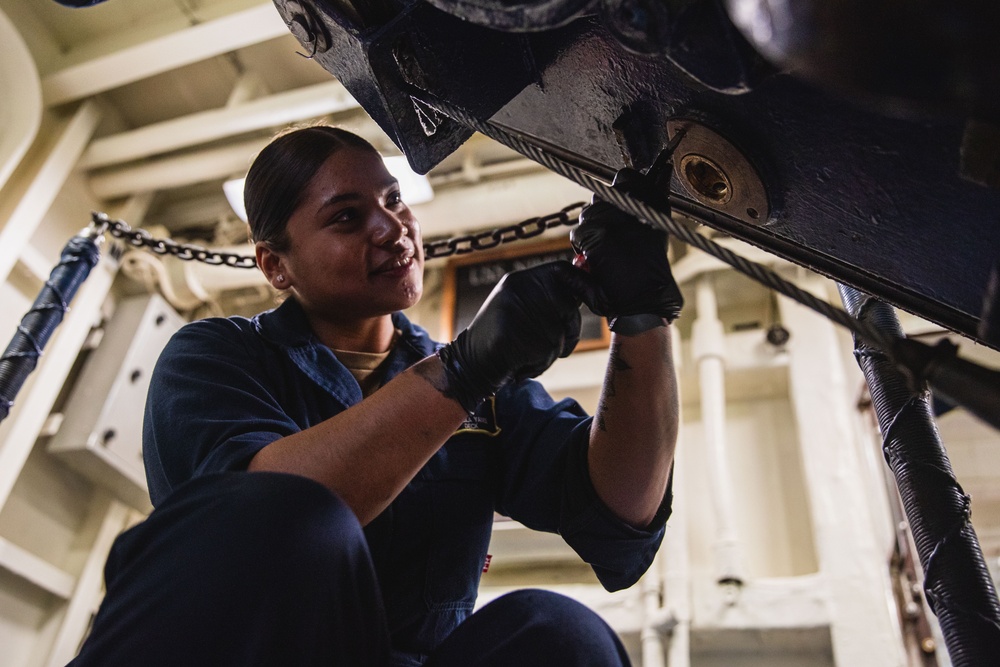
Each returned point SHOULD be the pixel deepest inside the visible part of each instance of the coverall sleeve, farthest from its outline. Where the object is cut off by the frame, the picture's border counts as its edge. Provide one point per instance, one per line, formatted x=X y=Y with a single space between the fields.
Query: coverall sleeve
x=546 y=485
x=208 y=408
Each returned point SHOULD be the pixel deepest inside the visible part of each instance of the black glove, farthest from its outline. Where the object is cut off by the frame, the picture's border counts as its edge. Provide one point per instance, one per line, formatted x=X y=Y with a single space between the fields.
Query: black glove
x=529 y=319
x=628 y=262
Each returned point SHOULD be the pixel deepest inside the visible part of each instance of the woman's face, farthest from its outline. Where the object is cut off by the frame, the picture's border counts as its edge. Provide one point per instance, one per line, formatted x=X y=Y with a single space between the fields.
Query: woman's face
x=354 y=247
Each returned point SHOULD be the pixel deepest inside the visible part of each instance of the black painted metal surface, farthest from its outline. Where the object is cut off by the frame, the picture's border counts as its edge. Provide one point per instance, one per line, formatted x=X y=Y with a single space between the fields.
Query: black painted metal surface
x=876 y=202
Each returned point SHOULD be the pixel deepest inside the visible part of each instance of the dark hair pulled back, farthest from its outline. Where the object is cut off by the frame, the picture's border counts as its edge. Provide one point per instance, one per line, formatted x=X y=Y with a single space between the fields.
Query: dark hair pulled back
x=282 y=171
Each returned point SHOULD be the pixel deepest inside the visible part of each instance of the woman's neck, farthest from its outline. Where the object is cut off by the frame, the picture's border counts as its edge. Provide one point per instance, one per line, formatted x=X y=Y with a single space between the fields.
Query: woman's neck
x=367 y=335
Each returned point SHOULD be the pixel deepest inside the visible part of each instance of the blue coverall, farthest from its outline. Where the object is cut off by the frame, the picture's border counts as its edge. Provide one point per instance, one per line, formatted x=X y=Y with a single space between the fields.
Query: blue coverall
x=273 y=569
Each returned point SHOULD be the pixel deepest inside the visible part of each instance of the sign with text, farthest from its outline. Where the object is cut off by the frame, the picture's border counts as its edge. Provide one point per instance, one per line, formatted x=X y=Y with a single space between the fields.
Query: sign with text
x=469 y=279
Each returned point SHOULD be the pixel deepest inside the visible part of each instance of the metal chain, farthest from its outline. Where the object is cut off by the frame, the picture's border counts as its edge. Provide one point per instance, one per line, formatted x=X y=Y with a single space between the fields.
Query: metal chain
x=664 y=221
x=140 y=238
x=461 y=245
x=456 y=245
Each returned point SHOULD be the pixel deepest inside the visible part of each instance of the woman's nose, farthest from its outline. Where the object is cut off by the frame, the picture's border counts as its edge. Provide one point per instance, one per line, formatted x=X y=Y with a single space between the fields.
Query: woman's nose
x=389 y=229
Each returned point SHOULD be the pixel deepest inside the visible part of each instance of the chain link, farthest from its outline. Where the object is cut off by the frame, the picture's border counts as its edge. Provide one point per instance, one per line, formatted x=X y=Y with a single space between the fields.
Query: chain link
x=456 y=245
x=140 y=238
x=462 y=245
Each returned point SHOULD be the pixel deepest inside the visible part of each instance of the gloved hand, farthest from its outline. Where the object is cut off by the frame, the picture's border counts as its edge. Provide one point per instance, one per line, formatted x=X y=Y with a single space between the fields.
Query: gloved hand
x=529 y=319
x=628 y=262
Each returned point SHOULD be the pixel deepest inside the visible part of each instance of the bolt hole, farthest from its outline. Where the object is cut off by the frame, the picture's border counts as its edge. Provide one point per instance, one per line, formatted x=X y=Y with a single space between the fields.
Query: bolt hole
x=134 y=377
x=777 y=335
x=108 y=436
x=706 y=178
x=752 y=212
x=160 y=319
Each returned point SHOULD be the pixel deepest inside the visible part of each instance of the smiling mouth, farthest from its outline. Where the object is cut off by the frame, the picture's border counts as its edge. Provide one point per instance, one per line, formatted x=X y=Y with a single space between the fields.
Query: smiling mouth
x=402 y=262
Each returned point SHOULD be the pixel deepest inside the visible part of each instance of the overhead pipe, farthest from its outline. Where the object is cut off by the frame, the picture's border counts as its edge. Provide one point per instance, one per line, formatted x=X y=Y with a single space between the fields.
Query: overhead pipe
x=708 y=341
x=957 y=582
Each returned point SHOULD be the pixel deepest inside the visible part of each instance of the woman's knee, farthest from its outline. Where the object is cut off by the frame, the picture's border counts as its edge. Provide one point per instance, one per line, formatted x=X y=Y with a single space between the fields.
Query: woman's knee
x=548 y=608
x=260 y=521
x=229 y=564
x=292 y=518
x=568 y=631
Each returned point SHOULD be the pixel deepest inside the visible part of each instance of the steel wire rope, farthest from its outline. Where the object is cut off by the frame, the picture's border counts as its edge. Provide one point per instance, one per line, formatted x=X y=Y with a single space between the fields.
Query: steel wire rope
x=663 y=221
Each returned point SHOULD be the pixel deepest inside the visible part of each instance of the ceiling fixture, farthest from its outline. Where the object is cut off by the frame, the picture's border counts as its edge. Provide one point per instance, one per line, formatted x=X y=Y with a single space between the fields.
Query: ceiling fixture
x=233 y=188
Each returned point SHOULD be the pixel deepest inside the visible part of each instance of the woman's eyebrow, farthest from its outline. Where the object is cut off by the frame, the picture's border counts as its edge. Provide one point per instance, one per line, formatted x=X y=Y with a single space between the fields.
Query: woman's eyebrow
x=336 y=199
x=353 y=196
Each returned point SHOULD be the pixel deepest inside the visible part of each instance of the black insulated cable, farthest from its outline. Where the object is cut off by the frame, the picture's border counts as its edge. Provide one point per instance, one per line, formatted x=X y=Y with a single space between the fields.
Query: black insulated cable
x=957 y=582
x=78 y=257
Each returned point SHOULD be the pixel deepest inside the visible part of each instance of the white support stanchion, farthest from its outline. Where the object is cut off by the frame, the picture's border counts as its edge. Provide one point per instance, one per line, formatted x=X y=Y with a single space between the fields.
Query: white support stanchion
x=708 y=342
x=864 y=626
x=650 y=635
x=674 y=560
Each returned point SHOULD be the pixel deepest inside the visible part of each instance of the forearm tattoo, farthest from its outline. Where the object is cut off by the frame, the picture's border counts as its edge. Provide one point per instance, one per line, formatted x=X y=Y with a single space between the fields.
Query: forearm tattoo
x=616 y=364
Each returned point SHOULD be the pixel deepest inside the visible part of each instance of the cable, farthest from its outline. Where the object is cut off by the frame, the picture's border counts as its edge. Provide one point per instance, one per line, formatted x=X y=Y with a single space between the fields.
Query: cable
x=664 y=221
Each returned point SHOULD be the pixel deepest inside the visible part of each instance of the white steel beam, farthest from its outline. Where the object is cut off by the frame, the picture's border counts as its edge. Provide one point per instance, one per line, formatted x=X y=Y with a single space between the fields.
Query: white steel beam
x=178 y=171
x=34 y=203
x=36 y=265
x=28 y=566
x=87 y=592
x=206 y=126
x=248 y=87
x=495 y=203
x=162 y=54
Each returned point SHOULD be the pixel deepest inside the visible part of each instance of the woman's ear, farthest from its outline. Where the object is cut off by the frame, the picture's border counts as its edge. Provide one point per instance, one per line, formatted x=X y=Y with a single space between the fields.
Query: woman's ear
x=272 y=265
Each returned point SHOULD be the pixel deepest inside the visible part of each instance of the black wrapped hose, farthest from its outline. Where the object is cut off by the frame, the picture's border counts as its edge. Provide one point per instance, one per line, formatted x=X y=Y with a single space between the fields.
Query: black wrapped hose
x=21 y=356
x=957 y=583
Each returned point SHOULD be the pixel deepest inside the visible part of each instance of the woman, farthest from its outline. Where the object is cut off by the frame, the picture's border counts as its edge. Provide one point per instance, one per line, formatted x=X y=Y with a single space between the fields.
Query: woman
x=360 y=537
